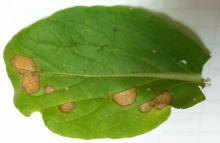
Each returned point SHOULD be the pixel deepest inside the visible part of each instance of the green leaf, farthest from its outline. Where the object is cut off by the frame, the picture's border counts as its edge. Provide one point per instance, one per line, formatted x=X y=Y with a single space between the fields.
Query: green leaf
x=71 y=65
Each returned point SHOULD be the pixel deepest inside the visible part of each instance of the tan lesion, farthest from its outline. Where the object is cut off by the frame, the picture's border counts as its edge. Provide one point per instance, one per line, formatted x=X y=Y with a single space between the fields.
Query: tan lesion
x=30 y=81
x=28 y=71
x=49 y=89
x=22 y=63
x=159 y=102
x=162 y=100
x=146 y=107
x=67 y=107
x=125 y=98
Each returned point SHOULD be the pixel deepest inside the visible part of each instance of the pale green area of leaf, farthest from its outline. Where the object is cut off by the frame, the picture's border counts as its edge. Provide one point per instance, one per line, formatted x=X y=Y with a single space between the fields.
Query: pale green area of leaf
x=89 y=53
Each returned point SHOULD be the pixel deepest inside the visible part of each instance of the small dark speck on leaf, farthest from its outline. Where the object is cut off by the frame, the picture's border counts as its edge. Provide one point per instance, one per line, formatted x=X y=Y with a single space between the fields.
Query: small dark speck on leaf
x=115 y=29
x=75 y=43
x=102 y=47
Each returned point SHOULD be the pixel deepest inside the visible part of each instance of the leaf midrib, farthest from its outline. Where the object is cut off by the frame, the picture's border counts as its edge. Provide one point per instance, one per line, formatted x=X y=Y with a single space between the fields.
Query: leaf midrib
x=196 y=78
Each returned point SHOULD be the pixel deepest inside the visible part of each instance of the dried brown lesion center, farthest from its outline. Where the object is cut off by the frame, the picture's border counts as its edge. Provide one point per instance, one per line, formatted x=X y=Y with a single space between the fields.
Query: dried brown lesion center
x=27 y=69
x=67 y=107
x=162 y=100
x=159 y=102
x=49 y=89
x=125 y=98
x=146 y=107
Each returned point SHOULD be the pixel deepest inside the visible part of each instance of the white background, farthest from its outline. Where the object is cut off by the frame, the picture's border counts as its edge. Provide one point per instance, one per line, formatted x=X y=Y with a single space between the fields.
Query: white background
x=199 y=124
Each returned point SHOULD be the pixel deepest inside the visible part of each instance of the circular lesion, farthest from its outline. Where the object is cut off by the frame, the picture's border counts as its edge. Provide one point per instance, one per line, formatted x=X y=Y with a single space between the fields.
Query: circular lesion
x=48 y=89
x=67 y=107
x=125 y=98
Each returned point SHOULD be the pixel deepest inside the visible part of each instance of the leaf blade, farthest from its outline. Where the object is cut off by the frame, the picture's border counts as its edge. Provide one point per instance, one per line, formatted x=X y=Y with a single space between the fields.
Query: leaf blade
x=89 y=53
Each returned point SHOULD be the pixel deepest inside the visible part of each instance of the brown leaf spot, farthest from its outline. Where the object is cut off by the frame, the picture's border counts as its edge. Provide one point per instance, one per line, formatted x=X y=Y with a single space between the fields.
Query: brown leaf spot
x=67 y=107
x=48 y=89
x=163 y=100
x=23 y=63
x=125 y=98
x=30 y=81
x=146 y=107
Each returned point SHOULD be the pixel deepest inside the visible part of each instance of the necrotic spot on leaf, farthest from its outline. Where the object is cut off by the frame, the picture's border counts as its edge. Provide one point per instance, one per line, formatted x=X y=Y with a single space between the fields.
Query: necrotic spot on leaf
x=163 y=100
x=30 y=81
x=21 y=63
x=67 y=107
x=126 y=97
x=146 y=107
x=30 y=77
x=159 y=102
x=48 y=89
